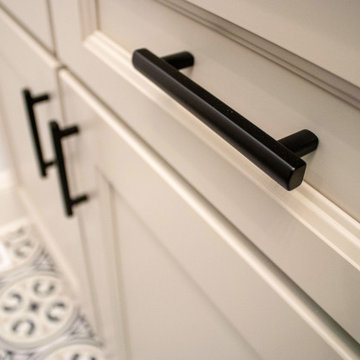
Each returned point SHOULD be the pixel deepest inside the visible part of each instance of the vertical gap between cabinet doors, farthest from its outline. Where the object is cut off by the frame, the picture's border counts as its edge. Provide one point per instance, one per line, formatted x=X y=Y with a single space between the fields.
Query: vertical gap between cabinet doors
x=70 y=149
x=85 y=246
x=113 y=235
x=52 y=28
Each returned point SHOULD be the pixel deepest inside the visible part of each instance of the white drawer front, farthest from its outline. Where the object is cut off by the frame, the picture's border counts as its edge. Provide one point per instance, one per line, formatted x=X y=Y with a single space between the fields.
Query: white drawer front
x=273 y=98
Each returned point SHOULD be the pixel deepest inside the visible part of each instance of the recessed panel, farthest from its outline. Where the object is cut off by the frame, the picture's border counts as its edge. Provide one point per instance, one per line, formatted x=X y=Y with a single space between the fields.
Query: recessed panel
x=166 y=314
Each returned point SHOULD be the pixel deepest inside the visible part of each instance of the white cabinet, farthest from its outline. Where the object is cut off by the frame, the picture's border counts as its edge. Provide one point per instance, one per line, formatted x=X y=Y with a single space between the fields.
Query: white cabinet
x=24 y=64
x=308 y=233
x=35 y=16
x=173 y=277
x=184 y=249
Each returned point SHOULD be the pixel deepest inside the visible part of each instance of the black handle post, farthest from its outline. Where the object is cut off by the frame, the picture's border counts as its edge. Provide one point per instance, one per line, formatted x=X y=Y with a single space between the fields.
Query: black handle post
x=30 y=101
x=279 y=159
x=57 y=136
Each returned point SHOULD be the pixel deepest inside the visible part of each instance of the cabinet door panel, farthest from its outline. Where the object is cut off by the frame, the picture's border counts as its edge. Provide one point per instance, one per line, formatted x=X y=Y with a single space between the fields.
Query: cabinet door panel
x=170 y=253
x=38 y=73
x=35 y=16
x=139 y=313
x=167 y=315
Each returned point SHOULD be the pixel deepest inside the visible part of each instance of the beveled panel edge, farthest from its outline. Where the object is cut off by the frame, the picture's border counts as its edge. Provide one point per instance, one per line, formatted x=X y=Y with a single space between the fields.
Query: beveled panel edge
x=326 y=80
x=88 y=11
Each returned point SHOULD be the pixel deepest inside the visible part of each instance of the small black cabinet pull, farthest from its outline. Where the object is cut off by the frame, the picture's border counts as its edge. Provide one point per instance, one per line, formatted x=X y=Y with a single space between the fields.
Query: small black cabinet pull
x=57 y=136
x=279 y=159
x=30 y=101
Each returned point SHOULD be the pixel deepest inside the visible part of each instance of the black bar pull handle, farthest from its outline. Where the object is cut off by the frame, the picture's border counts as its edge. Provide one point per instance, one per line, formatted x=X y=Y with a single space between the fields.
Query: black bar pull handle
x=30 y=101
x=57 y=136
x=279 y=159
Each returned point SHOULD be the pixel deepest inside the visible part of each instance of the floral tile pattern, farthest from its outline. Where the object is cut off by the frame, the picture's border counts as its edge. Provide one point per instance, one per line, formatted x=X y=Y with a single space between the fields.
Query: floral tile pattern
x=40 y=318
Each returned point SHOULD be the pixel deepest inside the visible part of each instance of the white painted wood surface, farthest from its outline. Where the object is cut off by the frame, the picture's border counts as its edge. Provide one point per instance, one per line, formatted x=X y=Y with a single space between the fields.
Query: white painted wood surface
x=35 y=16
x=323 y=32
x=5 y=163
x=185 y=276
x=176 y=230
x=11 y=209
x=24 y=63
x=280 y=55
x=305 y=234
x=270 y=96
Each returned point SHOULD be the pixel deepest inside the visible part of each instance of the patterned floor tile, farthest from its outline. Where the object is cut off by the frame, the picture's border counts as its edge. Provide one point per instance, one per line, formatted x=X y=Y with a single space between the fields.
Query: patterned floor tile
x=39 y=316
x=76 y=352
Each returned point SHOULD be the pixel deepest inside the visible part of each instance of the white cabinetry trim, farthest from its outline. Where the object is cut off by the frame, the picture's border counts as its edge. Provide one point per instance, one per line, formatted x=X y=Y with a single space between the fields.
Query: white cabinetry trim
x=326 y=80
x=298 y=65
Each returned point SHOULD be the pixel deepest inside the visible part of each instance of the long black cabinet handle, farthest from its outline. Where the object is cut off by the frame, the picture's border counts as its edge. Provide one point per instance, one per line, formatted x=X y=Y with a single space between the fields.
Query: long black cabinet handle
x=279 y=159
x=57 y=136
x=30 y=101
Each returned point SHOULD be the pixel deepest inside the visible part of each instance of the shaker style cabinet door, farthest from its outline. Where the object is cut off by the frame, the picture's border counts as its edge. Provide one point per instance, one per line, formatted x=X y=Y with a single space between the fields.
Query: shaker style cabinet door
x=174 y=279
x=29 y=99
x=312 y=232
x=35 y=16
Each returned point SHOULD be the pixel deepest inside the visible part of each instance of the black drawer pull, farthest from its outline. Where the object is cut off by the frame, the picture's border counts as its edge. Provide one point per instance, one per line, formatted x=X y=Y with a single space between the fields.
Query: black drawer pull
x=57 y=136
x=279 y=159
x=30 y=101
